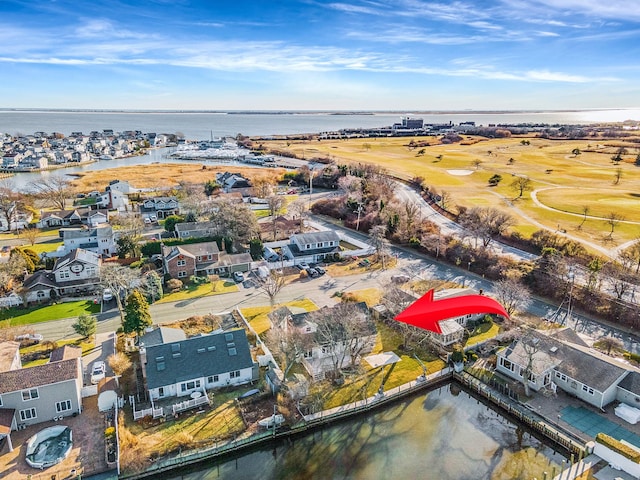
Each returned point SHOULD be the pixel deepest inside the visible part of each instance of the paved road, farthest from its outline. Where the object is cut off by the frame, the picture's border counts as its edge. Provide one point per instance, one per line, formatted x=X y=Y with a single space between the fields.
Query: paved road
x=321 y=291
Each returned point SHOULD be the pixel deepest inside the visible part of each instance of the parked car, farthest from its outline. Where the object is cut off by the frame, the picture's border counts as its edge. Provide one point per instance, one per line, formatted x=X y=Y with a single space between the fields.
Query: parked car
x=107 y=295
x=320 y=270
x=312 y=272
x=153 y=218
x=238 y=277
x=29 y=337
x=303 y=266
x=98 y=371
x=147 y=221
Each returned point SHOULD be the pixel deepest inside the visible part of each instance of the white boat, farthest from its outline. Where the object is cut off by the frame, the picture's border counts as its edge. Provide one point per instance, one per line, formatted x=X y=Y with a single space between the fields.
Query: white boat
x=106 y=157
x=271 y=421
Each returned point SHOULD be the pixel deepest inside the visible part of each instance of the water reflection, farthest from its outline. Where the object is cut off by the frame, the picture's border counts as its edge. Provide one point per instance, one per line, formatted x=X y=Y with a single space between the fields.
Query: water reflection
x=441 y=436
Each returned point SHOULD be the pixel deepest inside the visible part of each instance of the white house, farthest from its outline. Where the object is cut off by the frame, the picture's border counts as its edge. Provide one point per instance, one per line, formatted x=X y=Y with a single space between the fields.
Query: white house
x=311 y=247
x=323 y=355
x=161 y=207
x=98 y=239
x=561 y=360
x=180 y=368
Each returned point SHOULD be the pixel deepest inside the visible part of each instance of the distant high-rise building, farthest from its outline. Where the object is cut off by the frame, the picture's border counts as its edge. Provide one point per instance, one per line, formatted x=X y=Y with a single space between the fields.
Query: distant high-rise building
x=412 y=123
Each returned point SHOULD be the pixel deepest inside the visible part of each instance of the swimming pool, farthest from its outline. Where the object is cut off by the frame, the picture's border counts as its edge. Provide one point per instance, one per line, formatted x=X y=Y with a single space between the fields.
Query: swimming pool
x=49 y=447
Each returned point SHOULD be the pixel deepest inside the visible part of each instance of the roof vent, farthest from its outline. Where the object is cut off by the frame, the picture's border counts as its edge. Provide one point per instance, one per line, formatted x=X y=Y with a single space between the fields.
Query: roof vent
x=202 y=350
x=211 y=348
x=232 y=352
x=228 y=337
x=553 y=349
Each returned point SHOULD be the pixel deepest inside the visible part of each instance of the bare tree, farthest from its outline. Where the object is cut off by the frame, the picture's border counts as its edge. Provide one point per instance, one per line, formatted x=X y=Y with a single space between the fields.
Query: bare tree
x=521 y=184
x=343 y=331
x=613 y=219
x=395 y=301
x=119 y=279
x=585 y=212
x=11 y=202
x=531 y=345
x=632 y=252
x=512 y=294
x=263 y=187
x=276 y=202
x=119 y=363
x=609 y=343
x=55 y=190
x=485 y=223
x=297 y=209
x=378 y=236
x=30 y=234
x=617 y=176
x=272 y=285
x=289 y=344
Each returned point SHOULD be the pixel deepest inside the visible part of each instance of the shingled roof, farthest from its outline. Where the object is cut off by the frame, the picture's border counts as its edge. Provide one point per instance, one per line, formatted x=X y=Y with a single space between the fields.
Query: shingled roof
x=38 y=376
x=197 y=357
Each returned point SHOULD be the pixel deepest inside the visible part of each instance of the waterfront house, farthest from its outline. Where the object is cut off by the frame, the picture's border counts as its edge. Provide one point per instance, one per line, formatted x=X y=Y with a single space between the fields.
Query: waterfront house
x=178 y=369
x=37 y=394
x=311 y=247
x=322 y=354
x=551 y=361
x=234 y=182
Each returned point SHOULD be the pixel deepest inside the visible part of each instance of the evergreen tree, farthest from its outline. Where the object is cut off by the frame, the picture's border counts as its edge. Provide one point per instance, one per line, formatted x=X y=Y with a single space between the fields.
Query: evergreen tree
x=136 y=313
x=86 y=325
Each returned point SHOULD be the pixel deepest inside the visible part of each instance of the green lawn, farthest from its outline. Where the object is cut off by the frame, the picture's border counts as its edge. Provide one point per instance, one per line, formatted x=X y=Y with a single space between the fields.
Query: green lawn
x=257 y=316
x=44 y=247
x=42 y=347
x=483 y=332
x=39 y=314
x=194 y=291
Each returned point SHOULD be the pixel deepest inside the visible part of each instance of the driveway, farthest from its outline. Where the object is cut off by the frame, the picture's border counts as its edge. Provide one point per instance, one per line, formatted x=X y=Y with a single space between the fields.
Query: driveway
x=104 y=347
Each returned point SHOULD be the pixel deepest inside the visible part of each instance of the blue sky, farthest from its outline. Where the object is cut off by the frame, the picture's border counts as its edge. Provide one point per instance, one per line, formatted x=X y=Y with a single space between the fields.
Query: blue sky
x=320 y=55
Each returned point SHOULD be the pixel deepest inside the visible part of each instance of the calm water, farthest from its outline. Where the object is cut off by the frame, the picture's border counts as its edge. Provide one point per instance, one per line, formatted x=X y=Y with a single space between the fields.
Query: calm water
x=445 y=435
x=203 y=125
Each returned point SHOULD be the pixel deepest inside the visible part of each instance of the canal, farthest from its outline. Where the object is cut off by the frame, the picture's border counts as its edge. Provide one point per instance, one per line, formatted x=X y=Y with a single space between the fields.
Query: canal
x=446 y=434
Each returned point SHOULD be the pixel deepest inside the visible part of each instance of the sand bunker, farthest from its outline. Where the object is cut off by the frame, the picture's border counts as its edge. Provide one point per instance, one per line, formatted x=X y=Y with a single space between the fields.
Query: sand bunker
x=459 y=173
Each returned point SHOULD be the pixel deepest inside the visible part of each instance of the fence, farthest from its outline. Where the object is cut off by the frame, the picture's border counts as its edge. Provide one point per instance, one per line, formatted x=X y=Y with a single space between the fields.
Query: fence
x=311 y=422
x=565 y=439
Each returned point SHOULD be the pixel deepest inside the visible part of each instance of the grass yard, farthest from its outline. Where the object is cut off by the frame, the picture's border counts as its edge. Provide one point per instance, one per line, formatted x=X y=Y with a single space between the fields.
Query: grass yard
x=44 y=347
x=191 y=430
x=202 y=290
x=483 y=332
x=43 y=247
x=549 y=164
x=358 y=387
x=257 y=316
x=27 y=316
x=371 y=296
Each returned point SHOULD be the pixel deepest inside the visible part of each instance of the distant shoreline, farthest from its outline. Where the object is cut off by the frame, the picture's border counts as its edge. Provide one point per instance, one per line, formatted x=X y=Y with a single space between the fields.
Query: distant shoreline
x=312 y=112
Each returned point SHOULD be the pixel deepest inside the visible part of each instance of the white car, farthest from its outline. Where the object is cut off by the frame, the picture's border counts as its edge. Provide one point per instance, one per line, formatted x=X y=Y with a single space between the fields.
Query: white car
x=107 y=295
x=29 y=337
x=98 y=371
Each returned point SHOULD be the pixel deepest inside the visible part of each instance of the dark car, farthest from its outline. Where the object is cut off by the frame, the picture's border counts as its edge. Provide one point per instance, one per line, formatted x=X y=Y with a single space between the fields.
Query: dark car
x=312 y=272
x=320 y=270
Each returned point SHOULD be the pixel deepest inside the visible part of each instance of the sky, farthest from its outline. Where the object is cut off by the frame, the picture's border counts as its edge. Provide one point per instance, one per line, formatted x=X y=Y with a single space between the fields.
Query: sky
x=408 y=55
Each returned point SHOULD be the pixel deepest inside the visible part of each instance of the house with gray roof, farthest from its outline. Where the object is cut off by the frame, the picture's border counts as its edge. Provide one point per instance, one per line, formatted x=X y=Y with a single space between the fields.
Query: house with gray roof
x=311 y=247
x=576 y=369
x=197 y=364
x=41 y=393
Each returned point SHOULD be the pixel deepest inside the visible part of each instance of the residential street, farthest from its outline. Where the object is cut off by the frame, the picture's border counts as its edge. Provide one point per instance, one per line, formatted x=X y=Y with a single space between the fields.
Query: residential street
x=321 y=290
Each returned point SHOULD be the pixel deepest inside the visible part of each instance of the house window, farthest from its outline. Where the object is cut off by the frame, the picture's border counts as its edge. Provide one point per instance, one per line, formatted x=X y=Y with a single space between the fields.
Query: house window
x=561 y=376
x=182 y=274
x=182 y=263
x=0 y=400
x=307 y=329
x=587 y=389
x=30 y=394
x=327 y=349
x=190 y=385
x=308 y=354
x=160 y=391
x=307 y=246
x=40 y=294
x=64 y=274
x=213 y=379
x=235 y=374
x=28 y=414
x=63 y=406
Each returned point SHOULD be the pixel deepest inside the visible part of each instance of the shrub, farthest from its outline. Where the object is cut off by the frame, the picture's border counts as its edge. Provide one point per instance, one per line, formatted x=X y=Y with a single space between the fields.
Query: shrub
x=618 y=447
x=110 y=432
x=174 y=285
